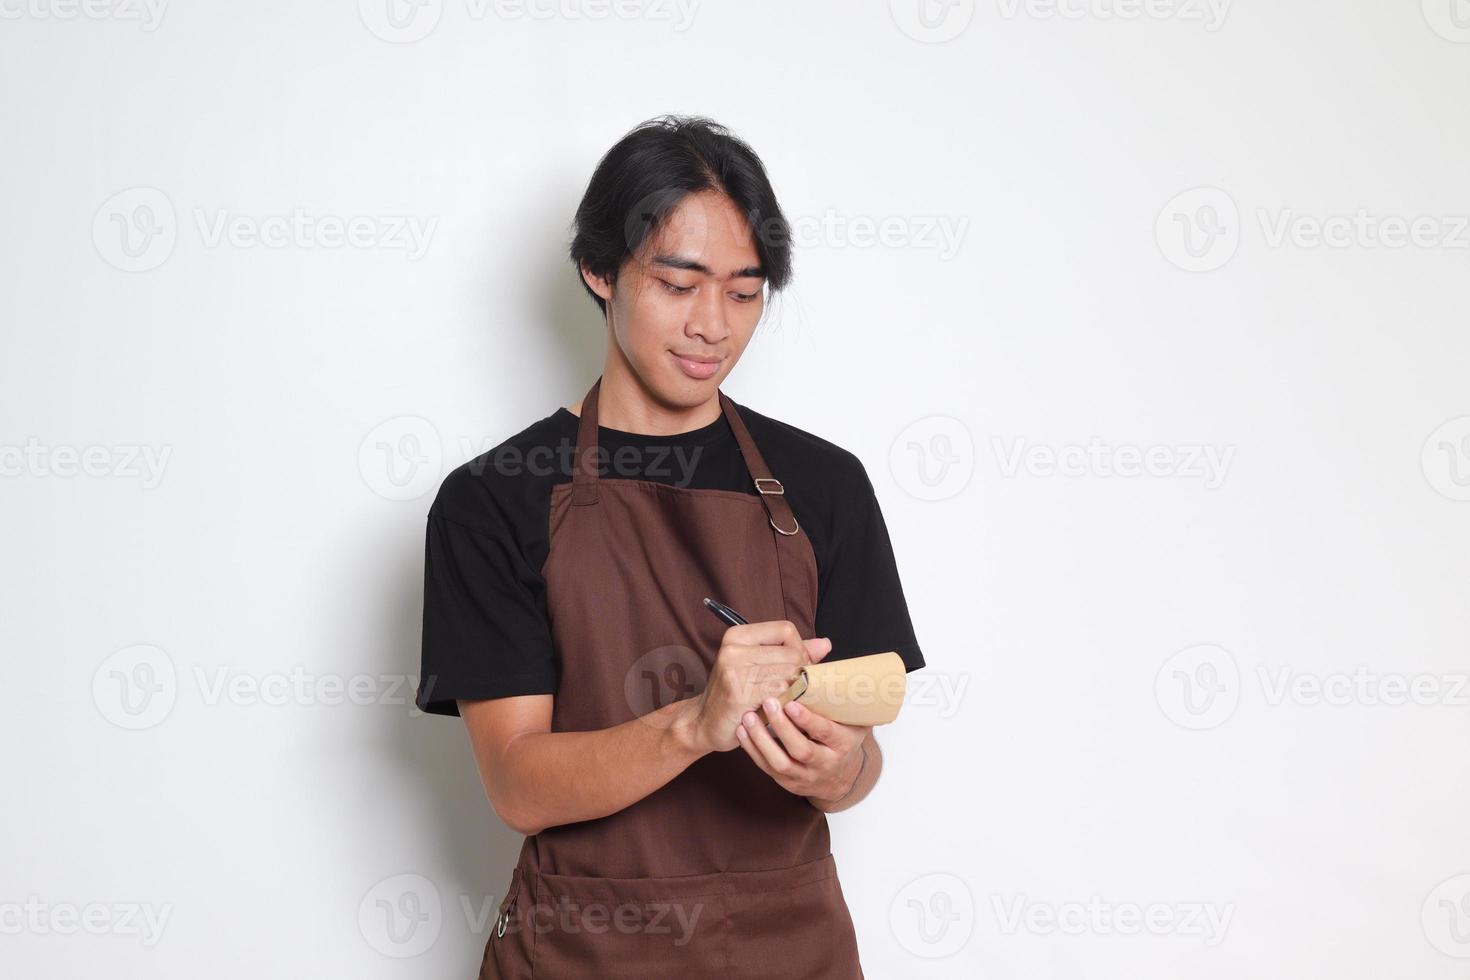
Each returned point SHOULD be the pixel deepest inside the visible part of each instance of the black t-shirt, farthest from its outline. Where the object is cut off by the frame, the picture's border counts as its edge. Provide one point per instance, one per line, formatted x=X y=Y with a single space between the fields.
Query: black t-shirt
x=486 y=633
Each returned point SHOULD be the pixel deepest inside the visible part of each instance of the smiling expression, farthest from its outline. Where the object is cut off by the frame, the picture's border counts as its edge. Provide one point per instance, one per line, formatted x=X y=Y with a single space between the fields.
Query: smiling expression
x=687 y=303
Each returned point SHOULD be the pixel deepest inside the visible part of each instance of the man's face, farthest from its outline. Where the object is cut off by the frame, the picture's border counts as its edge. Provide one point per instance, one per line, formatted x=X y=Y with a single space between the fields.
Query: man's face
x=686 y=305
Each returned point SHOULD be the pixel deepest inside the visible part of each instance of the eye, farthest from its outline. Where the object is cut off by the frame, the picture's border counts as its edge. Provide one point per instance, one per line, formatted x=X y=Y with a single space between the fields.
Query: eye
x=676 y=290
x=747 y=297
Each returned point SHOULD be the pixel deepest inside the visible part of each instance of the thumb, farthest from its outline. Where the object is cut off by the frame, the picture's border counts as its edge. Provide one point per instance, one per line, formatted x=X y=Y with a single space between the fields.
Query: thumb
x=817 y=647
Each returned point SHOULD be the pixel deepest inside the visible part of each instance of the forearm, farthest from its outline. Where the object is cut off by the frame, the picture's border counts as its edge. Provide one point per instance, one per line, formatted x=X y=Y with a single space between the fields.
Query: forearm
x=866 y=770
x=553 y=778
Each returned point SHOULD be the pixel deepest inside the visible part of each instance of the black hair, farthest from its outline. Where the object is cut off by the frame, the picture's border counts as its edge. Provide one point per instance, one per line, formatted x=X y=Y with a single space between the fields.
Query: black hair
x=645 y=175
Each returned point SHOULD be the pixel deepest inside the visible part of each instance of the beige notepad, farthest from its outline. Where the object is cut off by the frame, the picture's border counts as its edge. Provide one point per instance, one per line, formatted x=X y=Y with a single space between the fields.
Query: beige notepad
x=856 y=691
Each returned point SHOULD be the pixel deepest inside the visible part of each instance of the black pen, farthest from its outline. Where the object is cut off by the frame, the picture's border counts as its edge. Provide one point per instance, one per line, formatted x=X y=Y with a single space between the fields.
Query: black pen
x=730 y=616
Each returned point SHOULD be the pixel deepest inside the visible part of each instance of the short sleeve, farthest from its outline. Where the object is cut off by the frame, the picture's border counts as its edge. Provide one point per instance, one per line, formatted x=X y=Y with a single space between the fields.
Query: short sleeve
x=860 y=600
x=485 y=631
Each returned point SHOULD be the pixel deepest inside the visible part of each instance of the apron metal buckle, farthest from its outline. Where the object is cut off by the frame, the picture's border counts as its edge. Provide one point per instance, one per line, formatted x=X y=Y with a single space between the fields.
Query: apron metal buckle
x=500 y=922
x=780 y=491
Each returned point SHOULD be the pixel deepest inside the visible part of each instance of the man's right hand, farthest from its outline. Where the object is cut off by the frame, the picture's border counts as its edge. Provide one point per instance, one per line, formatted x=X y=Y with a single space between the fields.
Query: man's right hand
x=755 y=661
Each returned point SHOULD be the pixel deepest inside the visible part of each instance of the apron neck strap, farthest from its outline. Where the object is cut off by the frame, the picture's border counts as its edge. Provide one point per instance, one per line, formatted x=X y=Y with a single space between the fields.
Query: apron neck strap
x=772 y=493
x=584 y=472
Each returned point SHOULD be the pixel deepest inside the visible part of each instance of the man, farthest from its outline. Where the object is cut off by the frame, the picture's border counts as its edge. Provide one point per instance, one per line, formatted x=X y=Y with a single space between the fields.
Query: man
x=630 y=735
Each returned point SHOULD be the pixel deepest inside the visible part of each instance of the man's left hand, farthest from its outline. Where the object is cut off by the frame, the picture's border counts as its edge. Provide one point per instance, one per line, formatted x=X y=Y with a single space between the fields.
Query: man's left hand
x=814 y=757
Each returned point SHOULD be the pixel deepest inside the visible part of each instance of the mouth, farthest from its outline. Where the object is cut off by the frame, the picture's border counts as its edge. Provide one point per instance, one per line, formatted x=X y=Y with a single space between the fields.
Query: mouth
x=698 y=366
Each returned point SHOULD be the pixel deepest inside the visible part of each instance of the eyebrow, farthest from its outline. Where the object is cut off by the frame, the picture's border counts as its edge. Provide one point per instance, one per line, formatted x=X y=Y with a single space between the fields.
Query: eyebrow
x=679 y=262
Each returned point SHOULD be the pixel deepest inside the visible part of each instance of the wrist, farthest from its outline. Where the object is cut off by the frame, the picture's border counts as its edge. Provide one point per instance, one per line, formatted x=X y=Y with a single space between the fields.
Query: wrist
x=683 y=731
x=825 y=804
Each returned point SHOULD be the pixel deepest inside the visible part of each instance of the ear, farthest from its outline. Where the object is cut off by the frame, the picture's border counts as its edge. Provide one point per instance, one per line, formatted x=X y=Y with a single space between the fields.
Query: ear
x=596 y=283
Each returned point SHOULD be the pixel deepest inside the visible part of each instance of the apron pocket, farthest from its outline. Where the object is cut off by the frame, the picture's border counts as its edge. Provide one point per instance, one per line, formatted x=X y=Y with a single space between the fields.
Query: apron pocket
x=804 y=930
x=626 y=929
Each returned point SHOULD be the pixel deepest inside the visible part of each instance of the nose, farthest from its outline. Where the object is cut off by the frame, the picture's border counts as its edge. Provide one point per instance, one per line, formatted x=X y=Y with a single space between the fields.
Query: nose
x=707 y=318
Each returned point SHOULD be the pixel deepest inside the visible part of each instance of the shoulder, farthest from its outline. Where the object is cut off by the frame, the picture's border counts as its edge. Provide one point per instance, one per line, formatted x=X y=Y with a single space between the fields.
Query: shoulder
x=505 y=479
x=808 y=451
x=826 y=483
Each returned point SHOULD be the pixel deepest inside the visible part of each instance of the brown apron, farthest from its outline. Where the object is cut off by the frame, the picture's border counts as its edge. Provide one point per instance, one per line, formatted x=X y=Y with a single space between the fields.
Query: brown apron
x=720 y=872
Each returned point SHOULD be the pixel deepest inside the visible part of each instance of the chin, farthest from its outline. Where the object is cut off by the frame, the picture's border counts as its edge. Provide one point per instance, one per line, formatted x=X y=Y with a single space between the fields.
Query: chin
x=691 y=393
x=674 y=382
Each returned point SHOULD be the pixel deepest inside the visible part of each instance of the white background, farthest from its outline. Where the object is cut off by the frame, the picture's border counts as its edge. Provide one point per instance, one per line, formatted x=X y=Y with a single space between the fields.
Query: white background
x=1131 y=193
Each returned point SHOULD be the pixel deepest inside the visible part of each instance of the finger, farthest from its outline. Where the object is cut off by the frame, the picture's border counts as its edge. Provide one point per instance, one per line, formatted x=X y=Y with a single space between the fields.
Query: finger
x=817 y=727
x=768 y=653
x=751 y=685
x=817 y=647
x=785 y=634
x=797 y=745
x=776 y=758
x=776 y=632
x=743 y=737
